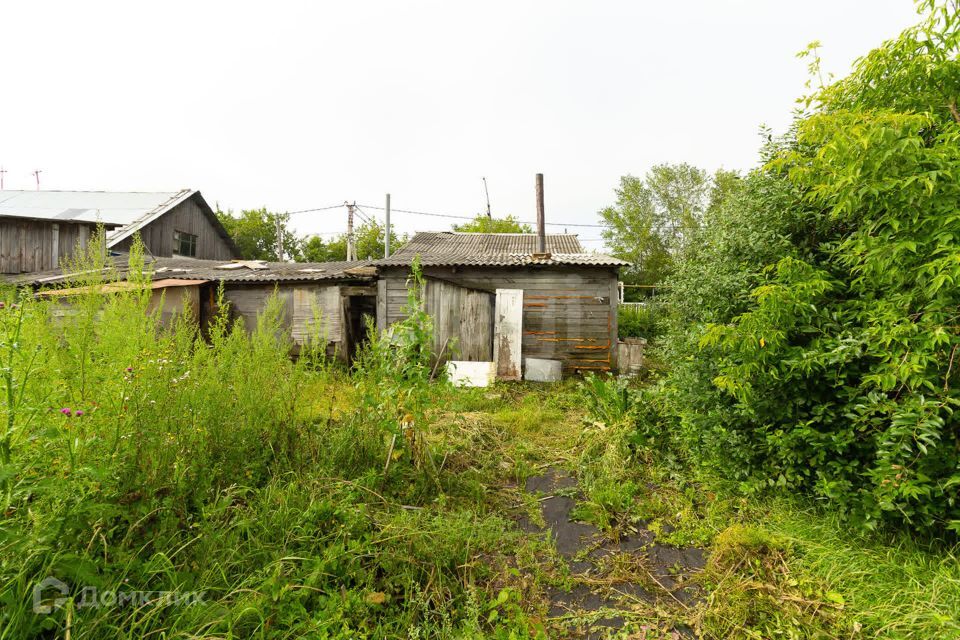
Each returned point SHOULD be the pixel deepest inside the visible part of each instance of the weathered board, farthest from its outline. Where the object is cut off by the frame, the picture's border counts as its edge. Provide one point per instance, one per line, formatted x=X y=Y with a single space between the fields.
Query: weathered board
x=507 y=334
x=462 y=321
x=317 y=314
x=308 y=310
x=569 y=313
x=39 y=245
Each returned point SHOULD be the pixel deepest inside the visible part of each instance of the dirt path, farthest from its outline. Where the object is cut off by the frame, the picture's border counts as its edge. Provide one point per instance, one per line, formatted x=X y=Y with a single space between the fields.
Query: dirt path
x=632 y=581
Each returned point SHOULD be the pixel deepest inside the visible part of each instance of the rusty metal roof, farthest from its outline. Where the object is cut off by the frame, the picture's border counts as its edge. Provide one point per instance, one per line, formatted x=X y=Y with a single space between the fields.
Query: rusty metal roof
x=451 y=248
x=230 y=271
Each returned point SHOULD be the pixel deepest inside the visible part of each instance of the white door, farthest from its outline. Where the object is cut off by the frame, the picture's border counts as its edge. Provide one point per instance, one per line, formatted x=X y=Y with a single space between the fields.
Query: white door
x=508 y=333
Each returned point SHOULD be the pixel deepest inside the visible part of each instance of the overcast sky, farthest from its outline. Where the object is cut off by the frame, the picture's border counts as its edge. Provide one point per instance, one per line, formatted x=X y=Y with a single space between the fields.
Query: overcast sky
x=296 y=105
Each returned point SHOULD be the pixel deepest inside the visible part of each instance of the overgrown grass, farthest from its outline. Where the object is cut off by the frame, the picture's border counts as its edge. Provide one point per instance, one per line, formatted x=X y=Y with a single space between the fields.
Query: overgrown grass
x=302 y=500
x=289 y=498
x=778 y=567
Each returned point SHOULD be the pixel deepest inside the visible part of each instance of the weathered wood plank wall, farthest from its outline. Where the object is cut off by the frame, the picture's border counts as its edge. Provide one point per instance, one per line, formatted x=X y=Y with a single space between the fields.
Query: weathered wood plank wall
x=186 y=217
x=569 y=313
x=39 y=245
x=461 y=320
x=308 y=309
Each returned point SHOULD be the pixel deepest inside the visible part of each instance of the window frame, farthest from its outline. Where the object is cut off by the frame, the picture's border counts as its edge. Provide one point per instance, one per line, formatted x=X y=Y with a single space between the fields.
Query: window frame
x=178 y=243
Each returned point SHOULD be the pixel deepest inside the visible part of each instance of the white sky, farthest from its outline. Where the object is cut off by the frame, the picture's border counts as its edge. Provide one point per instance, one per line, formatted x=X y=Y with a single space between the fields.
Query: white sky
x=294 y=105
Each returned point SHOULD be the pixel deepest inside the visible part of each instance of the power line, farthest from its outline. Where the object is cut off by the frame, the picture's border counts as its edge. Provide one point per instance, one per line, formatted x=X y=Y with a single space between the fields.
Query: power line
x=450 y=215
x=367 y=217
x=363 y=215
x=333 y=206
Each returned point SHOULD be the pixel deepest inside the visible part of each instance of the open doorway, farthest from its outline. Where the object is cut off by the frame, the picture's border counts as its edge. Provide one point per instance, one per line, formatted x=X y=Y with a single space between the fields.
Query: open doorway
x=359 y=309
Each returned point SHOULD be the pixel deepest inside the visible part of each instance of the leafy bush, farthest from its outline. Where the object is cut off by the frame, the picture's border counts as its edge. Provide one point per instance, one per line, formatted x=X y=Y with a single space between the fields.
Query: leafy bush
x=812 y=326
x=607 y=398
x=638 y=321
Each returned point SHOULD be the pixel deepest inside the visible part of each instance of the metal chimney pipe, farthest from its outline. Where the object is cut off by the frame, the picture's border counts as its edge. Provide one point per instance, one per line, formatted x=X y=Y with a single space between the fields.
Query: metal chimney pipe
x=541 y=224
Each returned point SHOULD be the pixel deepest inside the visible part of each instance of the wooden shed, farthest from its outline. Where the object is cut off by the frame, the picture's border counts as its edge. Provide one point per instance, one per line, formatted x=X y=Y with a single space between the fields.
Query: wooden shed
x=565 y=298
x=40 y=229
x=327 y=300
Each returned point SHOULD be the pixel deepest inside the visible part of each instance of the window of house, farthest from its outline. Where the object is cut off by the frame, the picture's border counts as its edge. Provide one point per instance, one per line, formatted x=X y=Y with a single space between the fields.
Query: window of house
x=184 y=244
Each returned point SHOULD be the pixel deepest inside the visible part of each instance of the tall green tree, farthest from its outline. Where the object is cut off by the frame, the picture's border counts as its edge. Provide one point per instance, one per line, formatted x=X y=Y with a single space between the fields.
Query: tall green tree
x=255 y=233
x=654 y=217
x=483 y=224
x=369 y=239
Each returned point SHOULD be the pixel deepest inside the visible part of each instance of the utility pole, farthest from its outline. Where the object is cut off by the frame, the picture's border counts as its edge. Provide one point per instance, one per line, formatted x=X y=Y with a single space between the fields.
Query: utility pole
x=541 y=222
x=487 y=191
x=36 y=174
x=279 y=238
x=2 y=171
x=351 y=250
x=386 y=237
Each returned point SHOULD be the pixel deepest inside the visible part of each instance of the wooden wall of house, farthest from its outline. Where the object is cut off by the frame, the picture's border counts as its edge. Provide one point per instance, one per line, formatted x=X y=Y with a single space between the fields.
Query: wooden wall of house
x=187 y=217
x=569 y=313
x=39 y=245
x=170 y=302
x=309 y=310
x=462 y=320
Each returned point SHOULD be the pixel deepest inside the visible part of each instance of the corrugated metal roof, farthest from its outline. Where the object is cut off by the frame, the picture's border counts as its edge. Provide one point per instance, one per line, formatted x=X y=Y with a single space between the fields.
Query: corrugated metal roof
x=221 y=270
x=451 y=248
x=110 y=207
x=125 y=212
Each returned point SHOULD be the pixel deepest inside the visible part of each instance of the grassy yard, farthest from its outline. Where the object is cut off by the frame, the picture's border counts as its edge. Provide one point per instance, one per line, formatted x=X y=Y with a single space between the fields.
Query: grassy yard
x=184 y=488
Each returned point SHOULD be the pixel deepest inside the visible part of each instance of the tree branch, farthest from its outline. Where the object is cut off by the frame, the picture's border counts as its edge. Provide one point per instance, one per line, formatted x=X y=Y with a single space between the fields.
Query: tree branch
x=953 y=110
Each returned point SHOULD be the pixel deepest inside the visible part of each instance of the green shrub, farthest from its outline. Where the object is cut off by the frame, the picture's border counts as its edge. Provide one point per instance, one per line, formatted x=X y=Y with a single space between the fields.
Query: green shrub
x=812 y=325
x=638 y=321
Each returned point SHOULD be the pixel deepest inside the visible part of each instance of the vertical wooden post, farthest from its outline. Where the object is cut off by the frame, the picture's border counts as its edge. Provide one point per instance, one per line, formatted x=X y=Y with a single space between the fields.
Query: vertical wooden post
x=487 y=193
x=541 y=222
x=386 y=237
x=279 y=238
x=351 y=251
x=56 y=247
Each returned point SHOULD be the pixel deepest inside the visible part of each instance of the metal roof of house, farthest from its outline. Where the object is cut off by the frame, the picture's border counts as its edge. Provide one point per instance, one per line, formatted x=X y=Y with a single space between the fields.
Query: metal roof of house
x=126 y=212
x=230 y=271
x=452 y=248
x=110 y=207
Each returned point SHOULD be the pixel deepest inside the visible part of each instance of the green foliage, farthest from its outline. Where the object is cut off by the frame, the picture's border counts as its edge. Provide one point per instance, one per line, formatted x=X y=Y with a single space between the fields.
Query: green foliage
x=369 y=239
x=656 y=216
x=483 y=224
x=639 y=321
x=606 y=398
x=917 y=72
x=812 y=325
x=394 y=370
x=255 y=233
x=144 y=457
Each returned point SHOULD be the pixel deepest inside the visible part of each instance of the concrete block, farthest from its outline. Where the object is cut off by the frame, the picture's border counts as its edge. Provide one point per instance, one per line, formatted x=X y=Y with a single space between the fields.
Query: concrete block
x=540 y=370
x=464 y=373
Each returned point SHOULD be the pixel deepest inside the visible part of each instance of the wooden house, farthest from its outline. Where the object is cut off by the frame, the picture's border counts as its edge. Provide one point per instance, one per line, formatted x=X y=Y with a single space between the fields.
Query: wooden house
x=41 y=229
x=561 y=303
